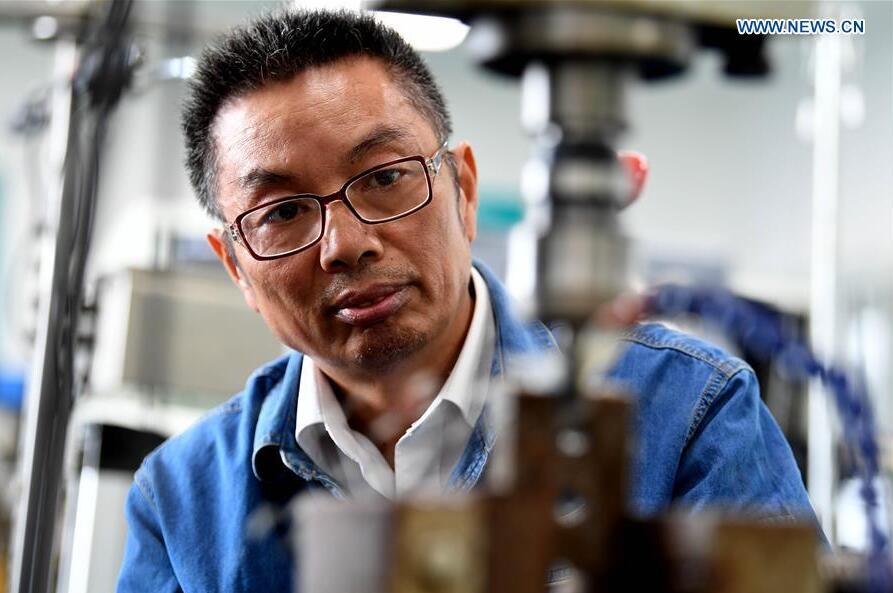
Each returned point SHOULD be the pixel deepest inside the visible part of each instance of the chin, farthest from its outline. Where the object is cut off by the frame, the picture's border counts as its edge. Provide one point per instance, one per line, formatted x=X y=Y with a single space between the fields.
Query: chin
x=382 y=348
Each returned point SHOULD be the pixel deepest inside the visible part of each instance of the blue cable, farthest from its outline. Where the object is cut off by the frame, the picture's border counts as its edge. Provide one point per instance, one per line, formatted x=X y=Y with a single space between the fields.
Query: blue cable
x=760 y=331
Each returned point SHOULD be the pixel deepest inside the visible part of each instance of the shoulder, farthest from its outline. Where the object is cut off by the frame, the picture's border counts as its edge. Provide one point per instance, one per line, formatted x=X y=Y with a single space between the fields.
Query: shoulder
x=658 y=361
x=677 y=382
x=676 y=379
x=223 y=437
x=197 y=491
x=656 y=340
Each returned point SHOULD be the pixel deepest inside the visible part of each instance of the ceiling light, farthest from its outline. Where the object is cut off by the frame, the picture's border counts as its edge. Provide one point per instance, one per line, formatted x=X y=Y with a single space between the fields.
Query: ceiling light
x=424 y=33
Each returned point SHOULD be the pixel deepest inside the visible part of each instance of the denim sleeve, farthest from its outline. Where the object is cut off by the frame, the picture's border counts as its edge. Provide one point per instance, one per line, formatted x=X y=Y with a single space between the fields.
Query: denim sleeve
x=737 y=457
x=146 y=566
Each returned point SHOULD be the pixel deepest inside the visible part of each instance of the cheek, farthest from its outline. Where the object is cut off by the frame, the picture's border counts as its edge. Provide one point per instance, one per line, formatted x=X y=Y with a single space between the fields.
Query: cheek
x=443 y=249
x=284 y=300
x=446 y=227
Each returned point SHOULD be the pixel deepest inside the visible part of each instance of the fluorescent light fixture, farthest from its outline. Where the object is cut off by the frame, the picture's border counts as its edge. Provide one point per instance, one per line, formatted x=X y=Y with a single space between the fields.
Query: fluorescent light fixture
x=329 y=4
x=424 y=33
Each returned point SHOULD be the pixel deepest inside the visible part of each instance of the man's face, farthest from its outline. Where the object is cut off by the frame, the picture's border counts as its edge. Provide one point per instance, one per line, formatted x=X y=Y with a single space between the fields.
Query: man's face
x=366 y=296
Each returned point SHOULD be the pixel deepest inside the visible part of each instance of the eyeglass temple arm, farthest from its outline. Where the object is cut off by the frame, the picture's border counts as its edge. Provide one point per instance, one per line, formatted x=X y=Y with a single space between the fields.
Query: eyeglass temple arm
x=435 y=161
x=233 y=233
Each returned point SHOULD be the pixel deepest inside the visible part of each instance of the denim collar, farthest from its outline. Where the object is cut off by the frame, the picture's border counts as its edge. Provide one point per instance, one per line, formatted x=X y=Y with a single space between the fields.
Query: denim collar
x=276 y=450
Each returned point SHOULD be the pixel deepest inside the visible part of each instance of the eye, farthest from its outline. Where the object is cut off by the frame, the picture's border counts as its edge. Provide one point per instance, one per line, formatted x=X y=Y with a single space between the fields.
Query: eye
x=385 y=177
x=284 y=212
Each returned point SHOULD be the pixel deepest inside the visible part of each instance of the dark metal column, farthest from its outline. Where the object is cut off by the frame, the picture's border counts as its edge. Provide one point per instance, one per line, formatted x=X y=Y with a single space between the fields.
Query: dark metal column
x=103 y=71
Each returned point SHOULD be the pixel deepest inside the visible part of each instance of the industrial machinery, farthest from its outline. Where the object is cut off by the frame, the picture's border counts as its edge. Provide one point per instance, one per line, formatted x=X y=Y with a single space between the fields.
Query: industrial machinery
x=560 y=521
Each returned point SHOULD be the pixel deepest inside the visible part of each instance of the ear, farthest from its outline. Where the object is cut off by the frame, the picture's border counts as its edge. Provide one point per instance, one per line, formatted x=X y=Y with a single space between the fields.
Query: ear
x=223 y=248
x=468 y=186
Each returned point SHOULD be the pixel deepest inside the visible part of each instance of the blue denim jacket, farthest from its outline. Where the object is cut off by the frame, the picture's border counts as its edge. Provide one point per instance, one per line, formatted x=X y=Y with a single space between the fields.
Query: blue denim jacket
x=704 y=438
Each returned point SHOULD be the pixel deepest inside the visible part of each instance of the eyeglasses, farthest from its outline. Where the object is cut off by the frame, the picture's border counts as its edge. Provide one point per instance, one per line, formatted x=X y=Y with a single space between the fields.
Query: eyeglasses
x=384 y=193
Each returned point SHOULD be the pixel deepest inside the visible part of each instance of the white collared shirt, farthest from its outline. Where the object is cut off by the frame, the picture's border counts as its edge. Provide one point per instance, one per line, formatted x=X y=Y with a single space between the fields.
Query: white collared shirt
x=428 y=451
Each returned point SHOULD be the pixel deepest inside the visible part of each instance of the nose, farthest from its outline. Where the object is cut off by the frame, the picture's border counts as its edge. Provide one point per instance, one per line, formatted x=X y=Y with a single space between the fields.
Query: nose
x=347 y=243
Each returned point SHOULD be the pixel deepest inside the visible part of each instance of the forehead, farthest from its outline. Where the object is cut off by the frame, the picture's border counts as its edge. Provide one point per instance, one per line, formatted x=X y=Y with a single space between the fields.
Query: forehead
x=316 y=116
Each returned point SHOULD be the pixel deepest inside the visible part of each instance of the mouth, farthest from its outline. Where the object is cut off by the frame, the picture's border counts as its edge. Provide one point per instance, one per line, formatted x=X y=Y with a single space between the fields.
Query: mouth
x=370 y=305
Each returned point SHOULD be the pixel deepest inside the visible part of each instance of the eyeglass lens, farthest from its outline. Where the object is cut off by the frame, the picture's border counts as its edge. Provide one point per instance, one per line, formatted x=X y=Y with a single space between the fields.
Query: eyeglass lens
x=381 y=194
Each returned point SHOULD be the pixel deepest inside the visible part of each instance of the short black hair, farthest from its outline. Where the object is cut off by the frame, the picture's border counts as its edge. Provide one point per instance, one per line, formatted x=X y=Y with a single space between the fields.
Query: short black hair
x=276 y=47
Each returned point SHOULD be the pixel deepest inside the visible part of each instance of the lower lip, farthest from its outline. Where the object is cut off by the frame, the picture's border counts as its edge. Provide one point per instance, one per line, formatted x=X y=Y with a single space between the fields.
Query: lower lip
x=378 y=312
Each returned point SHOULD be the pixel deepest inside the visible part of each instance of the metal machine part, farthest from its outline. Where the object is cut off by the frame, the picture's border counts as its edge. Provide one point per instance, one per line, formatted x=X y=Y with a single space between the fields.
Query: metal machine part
x=573 y=186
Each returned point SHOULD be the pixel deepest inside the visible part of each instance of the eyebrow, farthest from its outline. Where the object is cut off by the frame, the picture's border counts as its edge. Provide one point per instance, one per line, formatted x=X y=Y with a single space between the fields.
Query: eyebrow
x=378 y=136
x=259 y=178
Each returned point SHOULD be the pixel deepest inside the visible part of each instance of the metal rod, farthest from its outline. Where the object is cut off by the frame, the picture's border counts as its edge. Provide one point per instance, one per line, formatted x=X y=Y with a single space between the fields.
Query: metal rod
x=823 y=317
x=40 y=439
x=101 y=75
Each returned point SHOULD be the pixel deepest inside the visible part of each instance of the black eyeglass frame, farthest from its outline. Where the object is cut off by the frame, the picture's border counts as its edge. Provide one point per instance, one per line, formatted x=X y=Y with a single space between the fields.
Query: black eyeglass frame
x=431 y=165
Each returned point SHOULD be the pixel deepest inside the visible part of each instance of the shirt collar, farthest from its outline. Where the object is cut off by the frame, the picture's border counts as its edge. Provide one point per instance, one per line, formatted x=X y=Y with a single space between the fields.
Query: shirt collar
x=276 y=418
x=465 y=386
x=309 y=405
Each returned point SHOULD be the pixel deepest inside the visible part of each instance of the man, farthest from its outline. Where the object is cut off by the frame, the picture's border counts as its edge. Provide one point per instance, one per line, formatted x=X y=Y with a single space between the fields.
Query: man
x=319 y=140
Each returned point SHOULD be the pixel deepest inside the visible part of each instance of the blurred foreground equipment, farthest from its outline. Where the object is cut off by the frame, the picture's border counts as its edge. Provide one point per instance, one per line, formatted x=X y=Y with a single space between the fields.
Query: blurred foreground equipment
x=561 y=526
